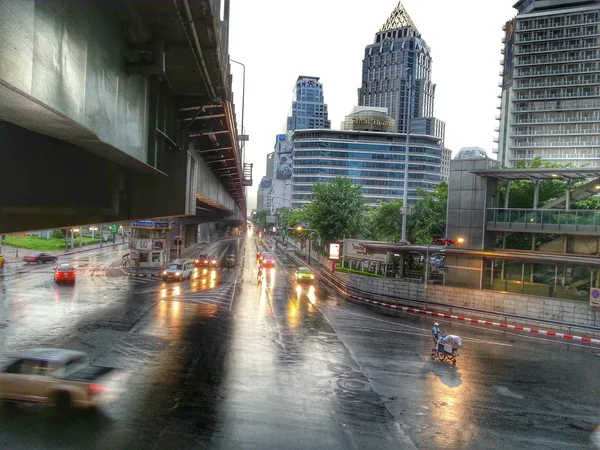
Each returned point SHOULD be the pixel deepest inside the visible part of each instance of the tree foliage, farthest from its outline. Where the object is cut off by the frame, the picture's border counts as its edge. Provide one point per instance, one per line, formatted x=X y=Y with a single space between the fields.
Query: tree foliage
x=384 y=223
x=337 y=209
x=428 y=216
x=289 y=217
x=521 y=192
x=261 y=219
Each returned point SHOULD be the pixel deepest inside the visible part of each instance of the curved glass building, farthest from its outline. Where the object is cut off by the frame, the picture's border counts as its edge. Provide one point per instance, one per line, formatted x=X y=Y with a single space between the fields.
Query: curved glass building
x=374 y=160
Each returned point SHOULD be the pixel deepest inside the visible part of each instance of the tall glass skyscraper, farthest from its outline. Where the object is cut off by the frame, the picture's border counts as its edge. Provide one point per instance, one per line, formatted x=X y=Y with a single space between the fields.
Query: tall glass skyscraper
x=308 y=106
x=398 y=66
x=551 y=84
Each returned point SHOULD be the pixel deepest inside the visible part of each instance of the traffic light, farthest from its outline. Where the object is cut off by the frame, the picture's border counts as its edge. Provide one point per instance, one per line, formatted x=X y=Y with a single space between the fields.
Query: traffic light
x=444 y=241
x=298 y=228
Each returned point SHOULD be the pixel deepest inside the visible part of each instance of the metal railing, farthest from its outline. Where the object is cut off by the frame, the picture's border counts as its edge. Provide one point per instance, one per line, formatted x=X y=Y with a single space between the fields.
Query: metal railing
x=548 y=220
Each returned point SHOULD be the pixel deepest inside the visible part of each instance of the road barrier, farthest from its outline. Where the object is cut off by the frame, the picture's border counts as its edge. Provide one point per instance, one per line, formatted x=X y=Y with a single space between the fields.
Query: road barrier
x=342 y=288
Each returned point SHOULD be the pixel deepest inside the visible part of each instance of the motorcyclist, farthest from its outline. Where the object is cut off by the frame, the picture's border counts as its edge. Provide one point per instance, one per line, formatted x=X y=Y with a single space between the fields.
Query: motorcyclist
x=260 y=271
x=435 y=332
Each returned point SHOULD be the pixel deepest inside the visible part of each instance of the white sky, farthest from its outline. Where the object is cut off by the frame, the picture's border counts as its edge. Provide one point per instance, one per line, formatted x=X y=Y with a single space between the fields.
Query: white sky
x=278 y=40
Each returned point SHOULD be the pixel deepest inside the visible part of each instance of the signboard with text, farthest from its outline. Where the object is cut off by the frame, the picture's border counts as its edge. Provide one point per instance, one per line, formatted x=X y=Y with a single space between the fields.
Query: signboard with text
x=356 y=249
x=334 y=251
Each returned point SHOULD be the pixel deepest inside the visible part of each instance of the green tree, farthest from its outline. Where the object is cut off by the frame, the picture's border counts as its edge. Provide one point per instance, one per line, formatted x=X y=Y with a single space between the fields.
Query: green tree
x=521 y=192
x=587 y=203
x=261 y=219
x=428 y=216
x=289 y=217
x=337 y=209
x=385 y=221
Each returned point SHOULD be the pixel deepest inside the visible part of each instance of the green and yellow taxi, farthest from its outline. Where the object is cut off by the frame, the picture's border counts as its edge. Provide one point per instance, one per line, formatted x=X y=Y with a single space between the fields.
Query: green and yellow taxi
x=304 y=274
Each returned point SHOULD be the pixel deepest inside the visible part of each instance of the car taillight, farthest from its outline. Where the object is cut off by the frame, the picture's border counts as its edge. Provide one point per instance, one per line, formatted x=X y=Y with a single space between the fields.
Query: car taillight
x=96 y=389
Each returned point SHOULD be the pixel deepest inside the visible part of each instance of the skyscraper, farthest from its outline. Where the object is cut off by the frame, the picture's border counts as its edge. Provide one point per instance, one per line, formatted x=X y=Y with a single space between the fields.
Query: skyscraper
x=396 y=70
x=308 y=105
x=551 y=83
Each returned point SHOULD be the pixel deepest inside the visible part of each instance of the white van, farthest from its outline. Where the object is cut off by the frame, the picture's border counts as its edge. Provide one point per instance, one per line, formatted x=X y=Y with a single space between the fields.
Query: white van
x=179 y=270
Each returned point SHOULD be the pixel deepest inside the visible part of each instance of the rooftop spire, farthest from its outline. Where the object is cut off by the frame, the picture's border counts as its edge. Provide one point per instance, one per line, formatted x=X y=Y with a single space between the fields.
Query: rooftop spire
x=398 y=19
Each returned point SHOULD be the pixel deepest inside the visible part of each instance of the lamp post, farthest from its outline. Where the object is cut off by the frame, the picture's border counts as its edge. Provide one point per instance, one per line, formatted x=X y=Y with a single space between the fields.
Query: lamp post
x=444 y=241
x=403 y=239
x=242 y=137
x=310 y=232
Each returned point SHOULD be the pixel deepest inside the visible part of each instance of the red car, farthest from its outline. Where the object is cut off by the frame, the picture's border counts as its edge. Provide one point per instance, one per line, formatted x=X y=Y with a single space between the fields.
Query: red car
x=268 y=260
x=65 y=273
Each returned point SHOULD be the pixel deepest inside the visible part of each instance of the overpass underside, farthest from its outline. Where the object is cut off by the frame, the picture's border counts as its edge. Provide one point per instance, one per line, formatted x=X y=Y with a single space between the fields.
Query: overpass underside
x=111 y=112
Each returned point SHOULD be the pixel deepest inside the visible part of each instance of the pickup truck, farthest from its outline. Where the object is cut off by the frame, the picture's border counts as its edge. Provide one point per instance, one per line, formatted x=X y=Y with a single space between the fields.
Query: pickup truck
x=58 y=377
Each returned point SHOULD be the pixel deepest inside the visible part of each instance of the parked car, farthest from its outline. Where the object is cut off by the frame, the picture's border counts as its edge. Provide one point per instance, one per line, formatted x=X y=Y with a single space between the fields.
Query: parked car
x=64 y=273
x=40 y=258
x=59 y=377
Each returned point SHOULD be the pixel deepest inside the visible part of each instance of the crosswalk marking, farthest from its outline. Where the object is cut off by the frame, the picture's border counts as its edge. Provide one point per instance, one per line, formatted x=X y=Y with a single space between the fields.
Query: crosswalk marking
x=219 y=296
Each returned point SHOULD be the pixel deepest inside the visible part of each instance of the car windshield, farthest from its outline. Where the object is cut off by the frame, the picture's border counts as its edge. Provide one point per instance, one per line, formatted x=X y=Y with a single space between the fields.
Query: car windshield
x=176 y=267
x=65 y=269
x=203 y=255
x=304 y=270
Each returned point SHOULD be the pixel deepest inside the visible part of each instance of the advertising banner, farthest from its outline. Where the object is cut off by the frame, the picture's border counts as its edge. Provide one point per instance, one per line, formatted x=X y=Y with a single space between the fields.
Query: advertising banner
x=283 y=161
x=334 y=251
x=354 y=248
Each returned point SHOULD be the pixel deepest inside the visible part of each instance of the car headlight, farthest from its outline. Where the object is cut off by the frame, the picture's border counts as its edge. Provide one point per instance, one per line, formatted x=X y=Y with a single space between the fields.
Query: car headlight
x=177 y=274
x=312 y=277
x=197 y=261
x=164 y=272
x=205 y=262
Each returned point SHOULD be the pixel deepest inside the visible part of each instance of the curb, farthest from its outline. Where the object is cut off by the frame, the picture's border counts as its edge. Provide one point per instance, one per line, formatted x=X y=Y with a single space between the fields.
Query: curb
x=407 y=309
x=68 y=253
x=489 y=323
x=143 y=275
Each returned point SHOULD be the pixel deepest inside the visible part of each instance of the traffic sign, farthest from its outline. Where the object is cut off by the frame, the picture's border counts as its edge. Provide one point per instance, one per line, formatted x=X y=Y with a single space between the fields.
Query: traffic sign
x=595 y=297
x=303 y=224
x=114 y=228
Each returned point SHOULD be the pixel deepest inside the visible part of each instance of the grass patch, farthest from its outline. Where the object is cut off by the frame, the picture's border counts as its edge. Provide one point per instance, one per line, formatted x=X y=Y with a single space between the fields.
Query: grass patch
x=43 y=245
x=358 y=272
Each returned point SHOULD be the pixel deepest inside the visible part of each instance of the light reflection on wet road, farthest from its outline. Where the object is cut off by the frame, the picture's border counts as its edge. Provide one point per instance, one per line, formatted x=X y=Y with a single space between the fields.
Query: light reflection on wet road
x=287 y=367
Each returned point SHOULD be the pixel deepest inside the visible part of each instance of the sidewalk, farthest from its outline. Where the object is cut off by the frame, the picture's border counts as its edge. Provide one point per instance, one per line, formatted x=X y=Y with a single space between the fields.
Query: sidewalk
x=10 y=252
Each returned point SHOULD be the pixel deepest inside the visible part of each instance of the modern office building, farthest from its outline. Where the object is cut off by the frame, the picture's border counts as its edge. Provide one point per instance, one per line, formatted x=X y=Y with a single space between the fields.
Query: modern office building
x=262 y=199
x=308 y=105
x=397 y=76
x=551 y=83
x=373 y=159
x=471 y=153
x=446 y=158
x=280 y=193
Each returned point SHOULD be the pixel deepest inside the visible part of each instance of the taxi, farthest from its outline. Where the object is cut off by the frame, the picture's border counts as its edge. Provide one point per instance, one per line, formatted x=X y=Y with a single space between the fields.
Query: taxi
x=304 y=274
x=64 y=273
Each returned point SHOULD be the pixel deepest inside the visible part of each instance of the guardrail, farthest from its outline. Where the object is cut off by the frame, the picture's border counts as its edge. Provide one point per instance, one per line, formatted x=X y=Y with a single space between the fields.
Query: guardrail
x=348 y=291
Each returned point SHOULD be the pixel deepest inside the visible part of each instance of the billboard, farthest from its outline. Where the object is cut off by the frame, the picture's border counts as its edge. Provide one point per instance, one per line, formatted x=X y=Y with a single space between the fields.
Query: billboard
x=283 y=158
x=334 y=251
x=266 y=183
x=356 y=249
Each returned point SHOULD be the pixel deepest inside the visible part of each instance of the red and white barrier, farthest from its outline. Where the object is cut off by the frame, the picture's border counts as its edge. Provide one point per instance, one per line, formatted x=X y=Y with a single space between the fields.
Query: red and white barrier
x=407 y=309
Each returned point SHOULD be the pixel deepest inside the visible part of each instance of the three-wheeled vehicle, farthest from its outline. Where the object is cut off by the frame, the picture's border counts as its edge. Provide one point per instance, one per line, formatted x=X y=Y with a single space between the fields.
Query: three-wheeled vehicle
x=230 y=261
x=447 y=348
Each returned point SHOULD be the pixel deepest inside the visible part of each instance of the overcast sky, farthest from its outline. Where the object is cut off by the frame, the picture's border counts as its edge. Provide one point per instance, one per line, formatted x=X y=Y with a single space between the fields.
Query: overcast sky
x=278 y=40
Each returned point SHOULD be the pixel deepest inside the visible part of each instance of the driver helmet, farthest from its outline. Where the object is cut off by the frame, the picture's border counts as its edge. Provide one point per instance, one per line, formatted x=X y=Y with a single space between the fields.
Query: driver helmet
x=436 y=324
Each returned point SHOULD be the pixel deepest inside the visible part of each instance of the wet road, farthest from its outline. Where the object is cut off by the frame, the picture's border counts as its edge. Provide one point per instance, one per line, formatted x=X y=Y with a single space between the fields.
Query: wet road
x=281 y=367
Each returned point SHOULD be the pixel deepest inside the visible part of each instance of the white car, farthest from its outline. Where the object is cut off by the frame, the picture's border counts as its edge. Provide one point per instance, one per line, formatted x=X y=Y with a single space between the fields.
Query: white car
x=59 y=377
x=179 y=270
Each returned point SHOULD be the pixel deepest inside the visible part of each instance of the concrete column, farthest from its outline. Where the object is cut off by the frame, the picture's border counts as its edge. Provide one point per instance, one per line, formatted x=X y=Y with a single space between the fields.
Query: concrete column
x=536 y=194
x=568 y=196
x=507 y=194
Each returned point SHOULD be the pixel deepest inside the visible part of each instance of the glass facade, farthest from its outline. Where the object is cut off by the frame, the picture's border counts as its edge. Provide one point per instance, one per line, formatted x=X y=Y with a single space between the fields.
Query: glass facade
x=308 y=106
x=553 y=110
x=373 y=160
x=397 y=70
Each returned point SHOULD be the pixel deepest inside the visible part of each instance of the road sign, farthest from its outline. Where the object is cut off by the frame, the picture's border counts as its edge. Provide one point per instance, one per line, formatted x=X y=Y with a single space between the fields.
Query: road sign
x=114 y=228
x=334 y=251
x=595 y=297
x=303 y=224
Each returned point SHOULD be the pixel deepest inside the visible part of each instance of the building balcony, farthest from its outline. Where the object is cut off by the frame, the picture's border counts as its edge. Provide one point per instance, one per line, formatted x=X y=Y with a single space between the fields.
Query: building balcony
x=527 y=39
x=540 y=84
x=552 y=73
x=527 y=109
x=503 y=50
x=581 y=222
x=558 y=145
x=496 y=140
x=502 y=62
x=495 y=150
x=554 y=25
x=548 y=133
x=557 y=120
x=497 y=130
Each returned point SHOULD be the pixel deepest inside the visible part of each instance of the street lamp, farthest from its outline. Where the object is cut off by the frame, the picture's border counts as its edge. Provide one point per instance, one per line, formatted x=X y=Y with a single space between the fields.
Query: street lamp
x=403 y=239
x=446 y=243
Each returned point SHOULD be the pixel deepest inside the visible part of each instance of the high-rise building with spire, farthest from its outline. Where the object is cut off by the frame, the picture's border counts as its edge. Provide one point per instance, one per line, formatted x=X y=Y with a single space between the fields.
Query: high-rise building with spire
x=396 y=71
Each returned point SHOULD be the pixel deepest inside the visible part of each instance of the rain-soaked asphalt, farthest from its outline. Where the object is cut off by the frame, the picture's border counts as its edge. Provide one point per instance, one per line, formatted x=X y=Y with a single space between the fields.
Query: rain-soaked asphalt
x=284 y=368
